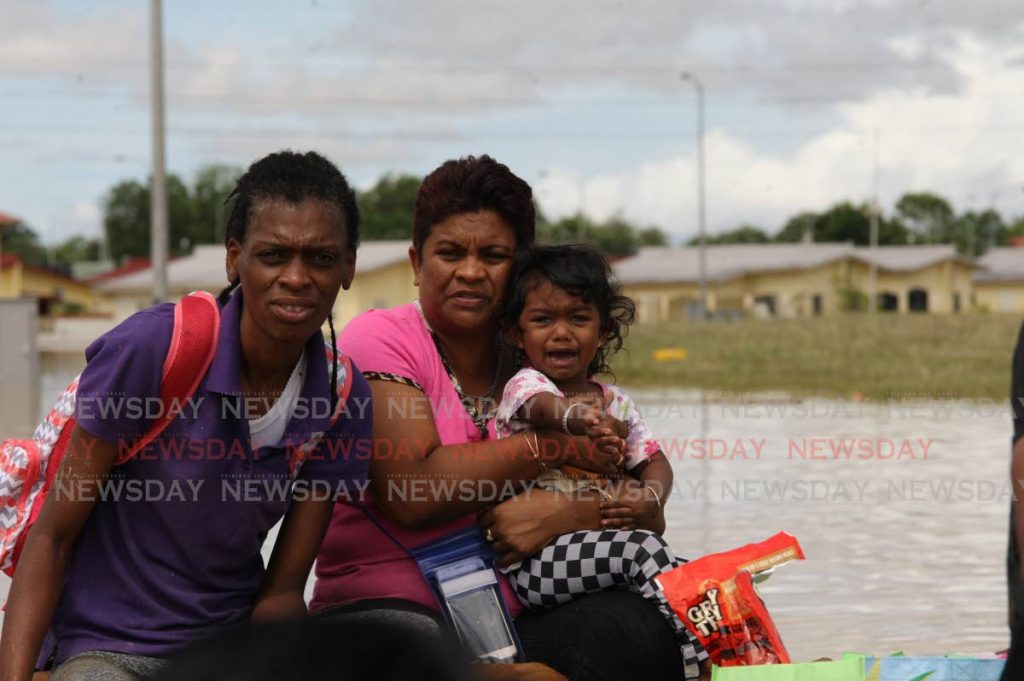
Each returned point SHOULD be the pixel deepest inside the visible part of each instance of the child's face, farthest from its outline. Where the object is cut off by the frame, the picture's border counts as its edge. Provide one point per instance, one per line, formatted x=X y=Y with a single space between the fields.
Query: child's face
x=558 y=332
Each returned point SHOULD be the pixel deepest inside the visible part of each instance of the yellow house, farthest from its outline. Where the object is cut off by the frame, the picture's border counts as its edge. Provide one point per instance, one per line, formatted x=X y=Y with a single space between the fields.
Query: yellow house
x=792 y=280
x=759 y=279
x=383 y=279
x=927 y=278
x=999 y=284
x=49 y=288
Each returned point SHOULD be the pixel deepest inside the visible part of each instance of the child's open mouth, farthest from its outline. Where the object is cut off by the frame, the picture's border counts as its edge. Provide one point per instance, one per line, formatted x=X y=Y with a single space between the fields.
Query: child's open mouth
x=562 y=357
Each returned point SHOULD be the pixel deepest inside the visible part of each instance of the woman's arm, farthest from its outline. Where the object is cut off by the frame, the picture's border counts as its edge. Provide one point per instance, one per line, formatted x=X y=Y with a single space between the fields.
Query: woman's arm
x=640 y=501
x=40 y=575
x=524 y=524
x=303 y=529
x=411 y=468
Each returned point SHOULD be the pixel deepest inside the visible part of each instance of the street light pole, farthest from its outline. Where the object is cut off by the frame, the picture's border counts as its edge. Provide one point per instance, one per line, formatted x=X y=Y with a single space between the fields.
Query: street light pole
x=702 y=254
x=158 y=194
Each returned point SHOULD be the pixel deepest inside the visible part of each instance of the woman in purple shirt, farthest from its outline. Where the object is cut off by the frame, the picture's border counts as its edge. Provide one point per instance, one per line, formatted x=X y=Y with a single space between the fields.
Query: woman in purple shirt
x=117 y=585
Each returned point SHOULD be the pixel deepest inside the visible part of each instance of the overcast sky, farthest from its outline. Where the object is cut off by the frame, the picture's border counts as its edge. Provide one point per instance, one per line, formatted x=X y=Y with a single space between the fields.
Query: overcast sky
x=582 y=98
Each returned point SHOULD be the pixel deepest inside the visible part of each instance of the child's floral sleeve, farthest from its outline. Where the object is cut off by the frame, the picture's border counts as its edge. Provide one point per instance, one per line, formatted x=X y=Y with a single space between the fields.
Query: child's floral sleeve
x=640 y=443
x=518 y=391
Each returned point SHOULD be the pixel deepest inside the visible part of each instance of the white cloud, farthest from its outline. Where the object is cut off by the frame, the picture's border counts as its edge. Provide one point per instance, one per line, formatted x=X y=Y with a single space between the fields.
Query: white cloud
x=37 y=39
x=969 y=149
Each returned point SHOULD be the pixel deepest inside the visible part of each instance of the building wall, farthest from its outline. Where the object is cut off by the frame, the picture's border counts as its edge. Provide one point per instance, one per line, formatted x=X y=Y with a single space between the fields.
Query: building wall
x=1006 y=296
x=793 y=292
x=19 y=368
x=380 y=288
x=940 y=281
x=18 y=281
x=10 y=281
x=39 y=284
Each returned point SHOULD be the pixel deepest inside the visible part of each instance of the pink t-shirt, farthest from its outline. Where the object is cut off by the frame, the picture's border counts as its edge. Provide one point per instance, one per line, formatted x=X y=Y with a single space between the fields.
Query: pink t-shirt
x=357 y=561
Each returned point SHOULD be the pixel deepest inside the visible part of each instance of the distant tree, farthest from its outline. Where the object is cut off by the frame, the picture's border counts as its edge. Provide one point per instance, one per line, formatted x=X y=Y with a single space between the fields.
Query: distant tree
x=387 y=208
x=973 y=233
x=77 y=249
x=798 y=225
x=744 y=234
x=652 y=236
x=616 y=236
x=842 y=222
x=213 y=184
x=928 y=216
x=570 y=229
x=126 y=218
x=21 y=240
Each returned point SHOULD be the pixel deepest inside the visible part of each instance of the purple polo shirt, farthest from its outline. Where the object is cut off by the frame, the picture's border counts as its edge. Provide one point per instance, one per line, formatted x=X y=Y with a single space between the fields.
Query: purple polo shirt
x=173 y=553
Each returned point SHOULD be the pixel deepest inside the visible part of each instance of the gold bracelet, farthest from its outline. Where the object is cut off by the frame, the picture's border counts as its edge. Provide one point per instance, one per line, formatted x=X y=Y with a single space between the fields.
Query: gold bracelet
x=657 y=496
x=535 y=450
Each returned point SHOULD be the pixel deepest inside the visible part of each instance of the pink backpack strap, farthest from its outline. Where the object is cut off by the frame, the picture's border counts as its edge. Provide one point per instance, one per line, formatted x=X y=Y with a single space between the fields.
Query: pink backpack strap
x=193 y=345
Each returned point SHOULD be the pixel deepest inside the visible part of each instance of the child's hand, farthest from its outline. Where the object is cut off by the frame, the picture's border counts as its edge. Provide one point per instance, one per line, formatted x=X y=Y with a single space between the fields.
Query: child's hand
x=585 y=419
x=634 y=505
x=593 y=421
x=616 y=426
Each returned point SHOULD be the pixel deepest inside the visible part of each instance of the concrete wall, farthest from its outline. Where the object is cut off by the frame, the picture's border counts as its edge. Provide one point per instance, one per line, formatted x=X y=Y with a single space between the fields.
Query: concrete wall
x=1007 y=296
x=19 y=368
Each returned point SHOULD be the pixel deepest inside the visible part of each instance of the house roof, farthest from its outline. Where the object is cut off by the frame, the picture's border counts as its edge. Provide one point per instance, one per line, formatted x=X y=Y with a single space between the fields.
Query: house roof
x=661 y=264
x=909 y=258
x=1001 y=264
x=132 y=265
x=725 y=262
x=204 y=268
x=8 y=219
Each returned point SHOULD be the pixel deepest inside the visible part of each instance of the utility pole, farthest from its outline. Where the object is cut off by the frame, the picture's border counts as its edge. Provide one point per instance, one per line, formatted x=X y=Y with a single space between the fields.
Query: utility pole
x=581 y=201
x=158 y=194
x=873 y=212
x=702 y=251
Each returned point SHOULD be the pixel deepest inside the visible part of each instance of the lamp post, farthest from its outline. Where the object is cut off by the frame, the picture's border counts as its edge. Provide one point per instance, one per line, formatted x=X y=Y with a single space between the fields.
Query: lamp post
x=702 y=255
x=158 y=195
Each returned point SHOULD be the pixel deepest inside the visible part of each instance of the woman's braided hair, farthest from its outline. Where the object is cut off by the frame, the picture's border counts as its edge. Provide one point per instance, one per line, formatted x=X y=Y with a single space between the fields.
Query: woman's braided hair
x=293 y=177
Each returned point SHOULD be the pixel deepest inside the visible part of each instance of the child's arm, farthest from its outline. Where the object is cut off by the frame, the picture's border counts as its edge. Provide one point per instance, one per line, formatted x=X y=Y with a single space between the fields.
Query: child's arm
x=545 y=411
x=640 y=500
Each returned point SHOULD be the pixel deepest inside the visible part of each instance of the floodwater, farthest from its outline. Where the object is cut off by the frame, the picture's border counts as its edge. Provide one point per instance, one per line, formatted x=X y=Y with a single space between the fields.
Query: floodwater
x=905 y=540
x=901 y=509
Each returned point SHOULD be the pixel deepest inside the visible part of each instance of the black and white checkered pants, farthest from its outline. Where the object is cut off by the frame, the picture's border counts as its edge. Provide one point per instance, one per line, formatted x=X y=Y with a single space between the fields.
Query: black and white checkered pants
x=585 y=562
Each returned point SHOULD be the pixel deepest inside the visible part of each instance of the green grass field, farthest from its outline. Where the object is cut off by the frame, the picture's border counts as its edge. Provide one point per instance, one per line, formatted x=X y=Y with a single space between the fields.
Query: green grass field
x=851 y=355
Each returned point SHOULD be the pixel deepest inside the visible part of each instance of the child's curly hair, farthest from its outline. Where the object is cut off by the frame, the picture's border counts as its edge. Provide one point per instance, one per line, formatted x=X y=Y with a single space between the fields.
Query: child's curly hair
x=582 y=271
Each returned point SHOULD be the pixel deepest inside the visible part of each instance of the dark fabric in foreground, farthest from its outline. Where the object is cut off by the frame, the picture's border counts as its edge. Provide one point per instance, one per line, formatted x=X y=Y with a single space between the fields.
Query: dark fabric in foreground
x=1015 y=663
x=608 y=636
x=318 y=650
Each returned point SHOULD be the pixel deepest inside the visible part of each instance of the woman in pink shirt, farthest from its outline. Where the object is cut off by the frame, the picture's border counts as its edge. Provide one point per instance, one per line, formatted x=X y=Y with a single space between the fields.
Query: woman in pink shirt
x=436 y=368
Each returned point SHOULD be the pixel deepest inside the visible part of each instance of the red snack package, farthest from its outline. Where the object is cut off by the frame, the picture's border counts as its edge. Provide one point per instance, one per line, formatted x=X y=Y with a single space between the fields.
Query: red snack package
x=715 y=597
